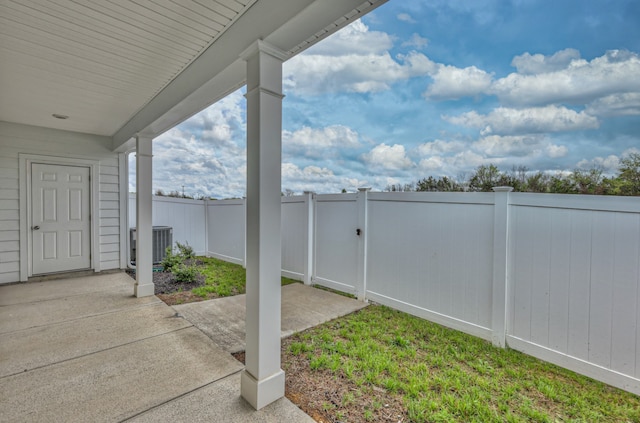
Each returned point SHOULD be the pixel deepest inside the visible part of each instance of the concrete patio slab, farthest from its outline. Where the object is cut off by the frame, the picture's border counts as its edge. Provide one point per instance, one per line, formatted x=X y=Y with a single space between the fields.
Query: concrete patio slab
x=117 y=383
x=32 y=348
x=222 y=319
x=46 y=290
x=63 y=308
x=221 y=402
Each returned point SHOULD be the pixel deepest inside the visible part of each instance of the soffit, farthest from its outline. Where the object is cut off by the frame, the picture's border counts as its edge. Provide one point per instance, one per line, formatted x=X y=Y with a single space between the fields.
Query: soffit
x=99 y=61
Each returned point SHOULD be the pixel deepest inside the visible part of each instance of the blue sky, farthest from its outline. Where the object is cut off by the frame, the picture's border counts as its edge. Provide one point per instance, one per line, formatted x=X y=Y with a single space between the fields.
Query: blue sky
x=439 y=87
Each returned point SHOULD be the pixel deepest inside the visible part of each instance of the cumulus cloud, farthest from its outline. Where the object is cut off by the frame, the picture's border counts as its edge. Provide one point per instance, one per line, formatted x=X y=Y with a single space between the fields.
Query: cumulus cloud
x=505 y=121
x=625 y=104
x=388 y=157
x=317 y=179
x=440 y=147
x=450 y=82
x=416 y=41
x=528 y=64
x=607 y=164
x=518 y=146
x=577 y=82
x=319 y=142
x=354 y=59
x=405 y=17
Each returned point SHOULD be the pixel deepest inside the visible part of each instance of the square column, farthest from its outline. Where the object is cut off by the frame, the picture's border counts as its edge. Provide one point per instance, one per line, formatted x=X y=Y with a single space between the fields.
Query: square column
x=262 y=381
x=144 y=229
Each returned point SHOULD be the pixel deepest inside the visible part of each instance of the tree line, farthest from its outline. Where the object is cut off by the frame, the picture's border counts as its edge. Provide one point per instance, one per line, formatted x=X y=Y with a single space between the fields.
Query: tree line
x=579 y=181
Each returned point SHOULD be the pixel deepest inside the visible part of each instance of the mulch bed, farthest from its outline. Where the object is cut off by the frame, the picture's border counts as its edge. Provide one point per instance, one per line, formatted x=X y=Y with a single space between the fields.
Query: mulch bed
x=173 y=292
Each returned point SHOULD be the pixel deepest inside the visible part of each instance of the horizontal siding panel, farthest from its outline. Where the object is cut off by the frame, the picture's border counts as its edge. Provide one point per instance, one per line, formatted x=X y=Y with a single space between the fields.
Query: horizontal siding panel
x=110 y=256
x=9 y=276
x=110 y=264
x=9 y=193
x=109 y=196
x=108 y=248
x=108 y=169
x=110 y=222
x=109 y=205
x=9 y=236
x=10 y=267
x=9 y=225
x=9 y=256
x=108 y=179
x=109 y=187
x=109 y=239
x=6 y=173
x=109 y=230
x=9 y=183
x=9 y=214
x=109 y=213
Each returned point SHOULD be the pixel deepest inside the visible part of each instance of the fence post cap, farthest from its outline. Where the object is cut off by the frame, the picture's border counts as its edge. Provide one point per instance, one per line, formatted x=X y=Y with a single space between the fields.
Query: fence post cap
x=364 y=189
x=502 y=189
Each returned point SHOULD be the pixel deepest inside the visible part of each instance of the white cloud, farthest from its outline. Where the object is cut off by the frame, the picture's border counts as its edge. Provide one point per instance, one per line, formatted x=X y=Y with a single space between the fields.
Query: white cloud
x=528 y=64
x=319 y=142
x=626 y=104
x=405 y=17
x=607 y=164
x=388 y=157
x=450 y=82
x=354 y=59
x=440 y=147
x=506 y=121
x=579 y=82
x=496 y=145
x=416 y=41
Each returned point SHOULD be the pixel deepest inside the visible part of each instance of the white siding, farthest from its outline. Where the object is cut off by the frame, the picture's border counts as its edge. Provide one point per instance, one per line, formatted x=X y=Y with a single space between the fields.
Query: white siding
x=16 y=139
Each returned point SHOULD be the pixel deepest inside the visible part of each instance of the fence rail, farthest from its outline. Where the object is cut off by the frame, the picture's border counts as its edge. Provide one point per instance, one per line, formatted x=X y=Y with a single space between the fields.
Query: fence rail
x=555 y=276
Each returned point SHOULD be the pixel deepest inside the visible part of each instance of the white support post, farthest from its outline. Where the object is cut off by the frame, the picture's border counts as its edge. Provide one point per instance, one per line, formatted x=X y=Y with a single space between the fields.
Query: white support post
x=144 y=213
x=500 y=265
x=361 y=233
x=262 y=381
x=309 y=200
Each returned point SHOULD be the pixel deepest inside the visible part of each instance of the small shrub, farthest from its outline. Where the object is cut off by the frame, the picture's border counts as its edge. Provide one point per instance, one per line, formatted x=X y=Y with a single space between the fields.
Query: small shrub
x=184 y=273
x=185 y=250
x=171 y=260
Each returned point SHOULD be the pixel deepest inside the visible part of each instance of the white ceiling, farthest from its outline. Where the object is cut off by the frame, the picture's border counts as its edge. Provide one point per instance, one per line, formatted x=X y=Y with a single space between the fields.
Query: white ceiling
x=118 y=67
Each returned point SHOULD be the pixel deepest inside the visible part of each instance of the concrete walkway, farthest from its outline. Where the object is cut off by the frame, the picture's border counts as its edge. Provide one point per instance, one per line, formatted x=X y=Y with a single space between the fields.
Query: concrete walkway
x=85 y=350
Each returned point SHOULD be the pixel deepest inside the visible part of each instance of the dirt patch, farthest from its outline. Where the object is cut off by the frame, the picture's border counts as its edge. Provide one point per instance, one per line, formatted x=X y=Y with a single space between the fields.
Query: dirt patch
x=173 y=292
x=330 y=398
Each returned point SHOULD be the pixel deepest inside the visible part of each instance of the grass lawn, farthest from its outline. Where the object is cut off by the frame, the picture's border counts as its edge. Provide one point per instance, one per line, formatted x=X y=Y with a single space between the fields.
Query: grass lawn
x=383 y=365
x=217 y=278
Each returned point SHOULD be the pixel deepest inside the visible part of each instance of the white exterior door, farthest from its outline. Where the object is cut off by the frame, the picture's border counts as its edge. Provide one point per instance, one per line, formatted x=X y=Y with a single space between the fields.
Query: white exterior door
x=60 y=223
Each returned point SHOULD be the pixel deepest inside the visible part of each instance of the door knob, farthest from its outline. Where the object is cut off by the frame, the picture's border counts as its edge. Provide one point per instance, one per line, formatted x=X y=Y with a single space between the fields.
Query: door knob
x=35 y=228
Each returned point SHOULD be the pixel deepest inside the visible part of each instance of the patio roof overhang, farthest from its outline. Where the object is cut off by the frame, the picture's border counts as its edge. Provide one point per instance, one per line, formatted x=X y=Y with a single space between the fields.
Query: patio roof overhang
x=130 y=70
x=119 y=68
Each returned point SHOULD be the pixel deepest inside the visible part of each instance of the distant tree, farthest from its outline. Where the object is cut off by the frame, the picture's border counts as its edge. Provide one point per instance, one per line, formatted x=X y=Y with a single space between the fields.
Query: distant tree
x=289 y=192
x=440 y=184
x=538 y=182
x=485 y=178
x=399 y=188
x=629 y=177
x=160 y=193
x=344 y=191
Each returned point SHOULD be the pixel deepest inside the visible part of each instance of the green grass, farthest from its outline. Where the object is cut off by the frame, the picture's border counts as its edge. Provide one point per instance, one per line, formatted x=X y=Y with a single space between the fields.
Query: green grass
x=443 y=375
x=223 y=279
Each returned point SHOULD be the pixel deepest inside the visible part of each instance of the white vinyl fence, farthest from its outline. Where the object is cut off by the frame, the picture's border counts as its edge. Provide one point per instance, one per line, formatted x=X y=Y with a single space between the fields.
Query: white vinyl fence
x=554 y=276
